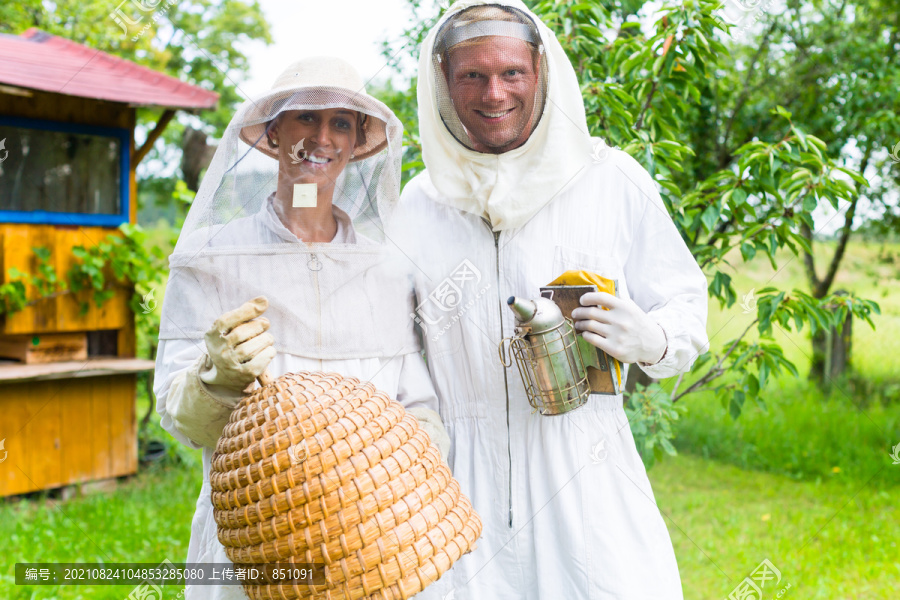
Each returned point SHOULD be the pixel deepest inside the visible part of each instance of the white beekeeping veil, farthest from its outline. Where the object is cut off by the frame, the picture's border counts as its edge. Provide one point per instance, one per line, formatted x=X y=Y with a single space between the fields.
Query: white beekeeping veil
x=343 y=299
x=543 y=116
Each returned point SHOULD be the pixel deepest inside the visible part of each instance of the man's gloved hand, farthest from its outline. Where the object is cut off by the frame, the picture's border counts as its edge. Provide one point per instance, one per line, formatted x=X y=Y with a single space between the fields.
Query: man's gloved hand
x=624 y=331
x=238 y=347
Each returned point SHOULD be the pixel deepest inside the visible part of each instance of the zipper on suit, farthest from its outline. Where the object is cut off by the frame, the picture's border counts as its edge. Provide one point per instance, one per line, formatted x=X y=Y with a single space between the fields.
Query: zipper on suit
x=315 y=266
x=496 y=235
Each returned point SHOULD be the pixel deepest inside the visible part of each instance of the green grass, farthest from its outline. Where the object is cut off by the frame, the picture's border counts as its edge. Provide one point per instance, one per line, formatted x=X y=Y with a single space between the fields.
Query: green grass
x=723 y=521
x=830 y=540
x=824 y=514
x=834 y=533
x=803 y=434
x=147 y=519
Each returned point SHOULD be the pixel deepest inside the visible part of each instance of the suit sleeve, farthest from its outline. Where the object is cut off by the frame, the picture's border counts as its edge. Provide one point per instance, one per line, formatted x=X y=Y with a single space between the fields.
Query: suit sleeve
x=666 y=282
x=194 y=413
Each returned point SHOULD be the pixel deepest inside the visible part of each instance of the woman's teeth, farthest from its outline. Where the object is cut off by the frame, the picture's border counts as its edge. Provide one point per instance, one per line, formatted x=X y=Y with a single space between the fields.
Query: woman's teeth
x=318 y=160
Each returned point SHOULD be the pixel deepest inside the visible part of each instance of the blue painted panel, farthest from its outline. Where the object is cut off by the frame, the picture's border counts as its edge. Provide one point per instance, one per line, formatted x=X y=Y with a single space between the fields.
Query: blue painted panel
x=83 y=219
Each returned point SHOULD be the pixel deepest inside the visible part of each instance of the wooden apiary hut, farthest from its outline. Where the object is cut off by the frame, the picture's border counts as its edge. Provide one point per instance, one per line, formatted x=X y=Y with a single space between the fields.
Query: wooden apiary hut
x=67 y=178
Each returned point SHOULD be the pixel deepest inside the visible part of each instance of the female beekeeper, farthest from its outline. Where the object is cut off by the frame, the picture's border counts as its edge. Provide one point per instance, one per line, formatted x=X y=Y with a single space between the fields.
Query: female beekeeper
x=311 y=255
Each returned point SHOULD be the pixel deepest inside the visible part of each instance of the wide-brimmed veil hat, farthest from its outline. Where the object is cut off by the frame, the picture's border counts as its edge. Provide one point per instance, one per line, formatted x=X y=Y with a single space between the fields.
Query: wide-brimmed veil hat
x=321 y=82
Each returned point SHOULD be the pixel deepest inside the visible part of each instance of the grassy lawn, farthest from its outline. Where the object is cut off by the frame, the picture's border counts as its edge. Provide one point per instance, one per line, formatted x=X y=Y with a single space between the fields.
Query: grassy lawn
x=830 y=540
x=835 y=539
x=806 y=483
x=804 y=432
x=148 y=519
x=822 y=512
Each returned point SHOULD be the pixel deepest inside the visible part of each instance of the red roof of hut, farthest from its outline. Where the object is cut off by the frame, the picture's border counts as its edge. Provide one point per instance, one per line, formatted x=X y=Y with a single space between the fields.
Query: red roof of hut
x=39 y=61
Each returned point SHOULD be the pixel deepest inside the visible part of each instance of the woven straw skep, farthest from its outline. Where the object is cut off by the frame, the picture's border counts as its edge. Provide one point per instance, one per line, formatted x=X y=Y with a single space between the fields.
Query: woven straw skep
x=325 y=469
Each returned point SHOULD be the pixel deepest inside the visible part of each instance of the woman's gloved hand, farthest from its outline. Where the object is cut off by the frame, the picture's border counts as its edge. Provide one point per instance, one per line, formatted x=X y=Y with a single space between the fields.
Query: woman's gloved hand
x=431 y=422
x=624 y=331
x=238 y=347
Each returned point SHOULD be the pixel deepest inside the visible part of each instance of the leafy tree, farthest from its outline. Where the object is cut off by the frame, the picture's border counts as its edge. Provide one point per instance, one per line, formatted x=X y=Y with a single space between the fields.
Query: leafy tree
x=832 y=64
x=739 y=172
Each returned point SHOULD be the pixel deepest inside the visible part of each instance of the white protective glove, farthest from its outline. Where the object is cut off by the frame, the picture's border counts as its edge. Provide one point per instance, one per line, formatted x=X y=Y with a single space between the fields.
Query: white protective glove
x=239 y=348
x=624 y=331
x=431 y=422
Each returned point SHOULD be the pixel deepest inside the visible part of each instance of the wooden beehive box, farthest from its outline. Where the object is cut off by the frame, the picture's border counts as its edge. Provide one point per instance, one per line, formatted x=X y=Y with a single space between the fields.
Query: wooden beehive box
x=67 y=178
x=38 y=349
x=68 y=401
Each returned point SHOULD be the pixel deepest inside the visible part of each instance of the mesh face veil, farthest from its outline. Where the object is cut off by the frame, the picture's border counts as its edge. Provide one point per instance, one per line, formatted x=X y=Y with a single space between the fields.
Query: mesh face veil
x=501 y=117
x=490 y=103
x=316 y=133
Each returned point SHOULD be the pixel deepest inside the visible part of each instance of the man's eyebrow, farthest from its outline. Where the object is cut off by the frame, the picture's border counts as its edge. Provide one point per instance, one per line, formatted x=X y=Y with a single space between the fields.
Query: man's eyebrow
x=506 y=64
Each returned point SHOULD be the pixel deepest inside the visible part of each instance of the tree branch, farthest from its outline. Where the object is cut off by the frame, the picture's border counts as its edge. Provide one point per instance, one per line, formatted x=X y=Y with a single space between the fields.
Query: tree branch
x=640 y=120
x=667 y=46
x=745 y=92
x=809 y=261
x=675 y=387
x=716 y=370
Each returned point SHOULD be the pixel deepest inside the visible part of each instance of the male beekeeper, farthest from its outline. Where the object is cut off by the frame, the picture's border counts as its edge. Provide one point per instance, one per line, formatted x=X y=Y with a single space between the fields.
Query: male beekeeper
x=515 y=193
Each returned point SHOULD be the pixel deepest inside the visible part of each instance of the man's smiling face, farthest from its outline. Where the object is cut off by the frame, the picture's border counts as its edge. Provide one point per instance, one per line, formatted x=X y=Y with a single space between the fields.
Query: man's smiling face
x=492 y=84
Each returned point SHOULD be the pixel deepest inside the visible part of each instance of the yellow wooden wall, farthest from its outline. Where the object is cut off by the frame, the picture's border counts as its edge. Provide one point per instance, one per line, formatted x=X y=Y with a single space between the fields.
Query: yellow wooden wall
x=62 y=313
x=74 y=430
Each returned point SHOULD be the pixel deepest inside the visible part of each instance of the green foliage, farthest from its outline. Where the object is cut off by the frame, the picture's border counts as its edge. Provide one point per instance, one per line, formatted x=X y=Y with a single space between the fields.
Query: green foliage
x=404 y=107
x=831 y=64
x=753 y=365
x=153 y=279
x=13 y=297
x=651 y=415
x=12 y=293
x=803 y=433
x=116 y=261
x=46 y=282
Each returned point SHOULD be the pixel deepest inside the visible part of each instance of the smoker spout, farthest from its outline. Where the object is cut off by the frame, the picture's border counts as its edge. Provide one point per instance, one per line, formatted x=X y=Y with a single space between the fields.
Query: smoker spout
x=523 y=308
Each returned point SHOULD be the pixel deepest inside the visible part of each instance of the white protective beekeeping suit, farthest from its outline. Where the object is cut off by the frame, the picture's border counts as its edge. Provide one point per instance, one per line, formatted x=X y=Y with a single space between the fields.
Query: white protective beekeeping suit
x=341 y=306
x=567 y=507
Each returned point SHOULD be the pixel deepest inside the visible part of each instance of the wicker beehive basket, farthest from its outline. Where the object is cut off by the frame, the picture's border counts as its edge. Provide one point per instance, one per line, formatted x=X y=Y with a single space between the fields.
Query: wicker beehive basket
x=321 y=468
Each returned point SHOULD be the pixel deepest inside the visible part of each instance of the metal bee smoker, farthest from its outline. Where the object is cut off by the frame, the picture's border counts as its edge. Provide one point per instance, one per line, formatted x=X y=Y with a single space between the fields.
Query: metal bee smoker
x=551 y=357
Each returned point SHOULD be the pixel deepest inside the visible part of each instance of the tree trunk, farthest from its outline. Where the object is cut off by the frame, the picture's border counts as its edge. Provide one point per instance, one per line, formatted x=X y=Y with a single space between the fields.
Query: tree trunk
x=196 y=156
x=831 y=352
